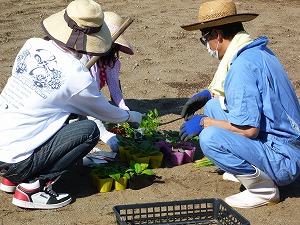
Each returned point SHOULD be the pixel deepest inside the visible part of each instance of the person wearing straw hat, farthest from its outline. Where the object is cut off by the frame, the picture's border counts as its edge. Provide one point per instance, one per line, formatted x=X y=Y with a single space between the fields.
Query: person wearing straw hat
x=106 y=71
x=252 y=131
x=49 y=83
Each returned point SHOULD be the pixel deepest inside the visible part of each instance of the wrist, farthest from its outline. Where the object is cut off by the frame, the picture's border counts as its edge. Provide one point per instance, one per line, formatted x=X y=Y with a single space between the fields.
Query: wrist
x=206 y=93
x=106 y=137
x=128 y=115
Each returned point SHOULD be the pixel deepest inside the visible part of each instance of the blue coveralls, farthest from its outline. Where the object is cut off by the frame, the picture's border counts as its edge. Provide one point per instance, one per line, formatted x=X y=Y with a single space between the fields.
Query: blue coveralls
x=258 y=93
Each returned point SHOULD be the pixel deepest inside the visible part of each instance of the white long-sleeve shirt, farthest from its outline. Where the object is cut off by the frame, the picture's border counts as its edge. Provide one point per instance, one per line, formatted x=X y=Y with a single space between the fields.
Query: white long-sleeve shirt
x=46 y=86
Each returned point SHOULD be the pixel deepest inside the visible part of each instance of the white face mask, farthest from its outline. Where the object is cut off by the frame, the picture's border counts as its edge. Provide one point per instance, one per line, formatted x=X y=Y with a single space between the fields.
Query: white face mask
x=212 y=53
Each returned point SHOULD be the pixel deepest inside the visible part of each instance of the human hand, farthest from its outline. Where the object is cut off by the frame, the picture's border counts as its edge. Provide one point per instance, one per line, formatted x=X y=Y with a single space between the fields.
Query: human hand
x=135 y=119
x=191 y=128
x=195 y=103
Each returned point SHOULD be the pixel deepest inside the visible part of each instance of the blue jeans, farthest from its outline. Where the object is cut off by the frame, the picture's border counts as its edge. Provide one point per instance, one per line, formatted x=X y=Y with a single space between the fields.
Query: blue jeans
x=237 y=154
x=63 y=150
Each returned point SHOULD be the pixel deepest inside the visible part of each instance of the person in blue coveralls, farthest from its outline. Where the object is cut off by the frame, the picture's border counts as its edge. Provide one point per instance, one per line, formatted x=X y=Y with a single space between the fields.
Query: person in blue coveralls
x=250 y=126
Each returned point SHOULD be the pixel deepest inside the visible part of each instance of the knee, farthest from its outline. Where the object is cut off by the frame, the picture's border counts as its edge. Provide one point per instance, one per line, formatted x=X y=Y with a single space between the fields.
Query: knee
x=207 y=139
x=91 y=128
x=211 y=106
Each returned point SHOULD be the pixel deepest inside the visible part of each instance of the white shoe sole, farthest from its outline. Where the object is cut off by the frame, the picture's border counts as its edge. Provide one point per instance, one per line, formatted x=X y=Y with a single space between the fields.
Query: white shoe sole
x=31 y=205
x=8 y=189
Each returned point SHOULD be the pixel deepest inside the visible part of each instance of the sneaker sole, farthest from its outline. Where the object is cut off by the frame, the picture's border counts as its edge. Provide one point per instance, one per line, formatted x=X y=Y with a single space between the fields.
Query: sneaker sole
x=256 y=206
x=31 y=205
x=8 y=189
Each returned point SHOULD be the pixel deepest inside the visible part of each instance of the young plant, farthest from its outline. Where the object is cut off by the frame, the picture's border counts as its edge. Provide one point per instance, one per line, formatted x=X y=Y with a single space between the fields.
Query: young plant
x=179 y=150
x=125 y=142
x=148 y=148
x=155 y=136
x=115 y=171
x=148 y=126
x=102 y=171
x=151 y=122
x=118 y=171
x=138 y=169
x=124 y=129
x=172 y=137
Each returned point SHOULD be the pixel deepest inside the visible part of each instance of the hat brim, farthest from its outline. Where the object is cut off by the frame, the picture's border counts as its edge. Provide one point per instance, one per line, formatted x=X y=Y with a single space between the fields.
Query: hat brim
x=222 y=21
x=125 y=46
x=58 y=30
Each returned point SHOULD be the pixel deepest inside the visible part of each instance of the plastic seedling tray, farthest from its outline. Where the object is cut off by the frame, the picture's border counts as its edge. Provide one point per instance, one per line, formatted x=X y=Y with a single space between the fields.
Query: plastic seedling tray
x=197 y=212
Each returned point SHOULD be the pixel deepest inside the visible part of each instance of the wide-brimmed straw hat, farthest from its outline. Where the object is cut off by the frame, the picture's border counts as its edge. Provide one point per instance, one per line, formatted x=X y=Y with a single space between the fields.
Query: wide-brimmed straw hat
x=216 y=13
x=80 y=27
x=114 y=22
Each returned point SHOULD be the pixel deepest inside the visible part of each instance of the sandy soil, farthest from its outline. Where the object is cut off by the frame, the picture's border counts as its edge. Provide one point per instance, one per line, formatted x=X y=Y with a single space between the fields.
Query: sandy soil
x=169 y=66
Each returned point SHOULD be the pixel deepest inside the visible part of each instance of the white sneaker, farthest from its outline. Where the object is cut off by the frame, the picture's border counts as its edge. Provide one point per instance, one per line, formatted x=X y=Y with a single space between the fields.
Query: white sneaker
x=33 y=196
x=7 y=186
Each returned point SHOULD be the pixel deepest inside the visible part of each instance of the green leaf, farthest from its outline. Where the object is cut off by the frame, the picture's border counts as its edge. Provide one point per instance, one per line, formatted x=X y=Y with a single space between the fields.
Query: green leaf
x=116 y=176
x=148 y=172
x=138 y=168
x=127 y=175
x=144 y=166
x=180 y=150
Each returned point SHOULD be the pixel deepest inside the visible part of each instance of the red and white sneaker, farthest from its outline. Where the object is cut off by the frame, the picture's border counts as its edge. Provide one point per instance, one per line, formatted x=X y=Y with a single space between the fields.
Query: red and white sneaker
x=34 y=196
x=7 y=186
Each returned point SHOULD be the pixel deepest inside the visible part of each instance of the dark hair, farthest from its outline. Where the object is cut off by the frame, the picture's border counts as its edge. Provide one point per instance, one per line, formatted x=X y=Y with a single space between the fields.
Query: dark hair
x=111 y=58
x=229 y=30
x=46 y=38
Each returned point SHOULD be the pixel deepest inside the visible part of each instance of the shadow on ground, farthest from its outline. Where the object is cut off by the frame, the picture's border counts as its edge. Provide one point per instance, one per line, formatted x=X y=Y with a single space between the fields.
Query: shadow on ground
x=164 y=106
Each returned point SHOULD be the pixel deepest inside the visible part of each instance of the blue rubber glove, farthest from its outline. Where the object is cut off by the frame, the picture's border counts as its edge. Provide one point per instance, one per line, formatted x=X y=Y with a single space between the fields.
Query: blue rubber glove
x=195 y=103
x=191 y=128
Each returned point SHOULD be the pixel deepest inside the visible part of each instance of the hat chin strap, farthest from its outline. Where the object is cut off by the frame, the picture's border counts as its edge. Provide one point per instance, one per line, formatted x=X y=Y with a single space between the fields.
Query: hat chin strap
x=78 y=33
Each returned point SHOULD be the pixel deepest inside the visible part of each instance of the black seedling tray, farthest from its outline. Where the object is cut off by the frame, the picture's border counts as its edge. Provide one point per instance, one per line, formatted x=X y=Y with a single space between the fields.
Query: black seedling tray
x=197 y=212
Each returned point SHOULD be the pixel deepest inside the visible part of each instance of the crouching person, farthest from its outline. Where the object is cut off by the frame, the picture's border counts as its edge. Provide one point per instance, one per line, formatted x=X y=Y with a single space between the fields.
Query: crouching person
x=252 y=133
x=48 y=84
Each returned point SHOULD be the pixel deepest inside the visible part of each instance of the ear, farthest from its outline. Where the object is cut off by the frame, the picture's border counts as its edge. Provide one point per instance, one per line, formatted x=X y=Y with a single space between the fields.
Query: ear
x=220 y=35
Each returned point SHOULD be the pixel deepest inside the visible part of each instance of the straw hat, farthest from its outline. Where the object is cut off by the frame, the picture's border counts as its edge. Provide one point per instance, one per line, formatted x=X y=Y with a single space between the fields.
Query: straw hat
x=114 y=22
x=81 y=27
x=216 y=13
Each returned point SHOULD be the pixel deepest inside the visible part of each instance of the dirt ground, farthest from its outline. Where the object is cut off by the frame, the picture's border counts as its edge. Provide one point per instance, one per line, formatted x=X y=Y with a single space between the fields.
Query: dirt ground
x=169 y=65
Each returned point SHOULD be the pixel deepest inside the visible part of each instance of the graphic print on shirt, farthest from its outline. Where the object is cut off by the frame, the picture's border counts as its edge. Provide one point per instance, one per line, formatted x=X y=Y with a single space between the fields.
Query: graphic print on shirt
x=35 y=72
x=44 y=75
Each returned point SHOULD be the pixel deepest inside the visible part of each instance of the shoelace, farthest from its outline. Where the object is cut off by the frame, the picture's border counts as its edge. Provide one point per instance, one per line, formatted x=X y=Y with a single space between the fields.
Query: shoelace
x=48 y=187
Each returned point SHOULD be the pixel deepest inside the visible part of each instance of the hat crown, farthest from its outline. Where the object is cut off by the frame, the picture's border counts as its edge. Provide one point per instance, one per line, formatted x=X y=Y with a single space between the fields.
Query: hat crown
x=86 y=13
x=81 y=27
x=113 y=20
x=216 y=13
x=216 y=9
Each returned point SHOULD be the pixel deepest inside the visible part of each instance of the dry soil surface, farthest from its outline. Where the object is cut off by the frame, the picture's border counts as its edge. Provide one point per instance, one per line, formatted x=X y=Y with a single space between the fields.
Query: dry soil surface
x=169 y=65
